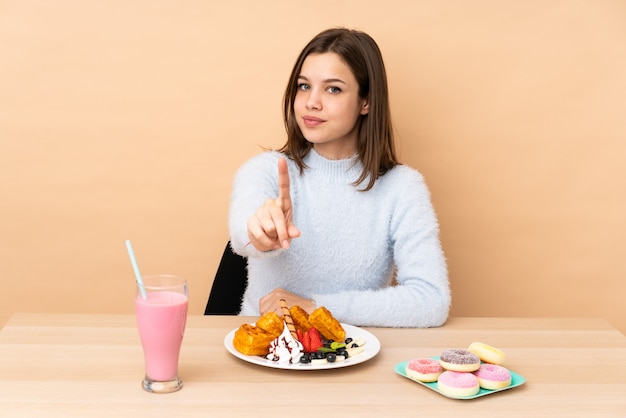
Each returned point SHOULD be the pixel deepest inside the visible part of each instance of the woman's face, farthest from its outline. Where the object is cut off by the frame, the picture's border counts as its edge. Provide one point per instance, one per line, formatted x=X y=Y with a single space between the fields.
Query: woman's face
x=327 y=105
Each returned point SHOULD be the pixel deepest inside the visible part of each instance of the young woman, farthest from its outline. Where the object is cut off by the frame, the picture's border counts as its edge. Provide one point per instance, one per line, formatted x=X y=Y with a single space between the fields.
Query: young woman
x=332 y=218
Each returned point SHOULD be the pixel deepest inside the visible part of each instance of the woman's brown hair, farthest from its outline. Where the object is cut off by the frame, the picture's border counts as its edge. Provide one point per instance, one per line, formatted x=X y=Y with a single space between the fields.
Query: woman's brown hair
x=375 y=148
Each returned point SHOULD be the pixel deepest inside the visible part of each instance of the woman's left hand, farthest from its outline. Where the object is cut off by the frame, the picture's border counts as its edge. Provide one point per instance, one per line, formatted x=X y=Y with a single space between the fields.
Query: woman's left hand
x=271 y=301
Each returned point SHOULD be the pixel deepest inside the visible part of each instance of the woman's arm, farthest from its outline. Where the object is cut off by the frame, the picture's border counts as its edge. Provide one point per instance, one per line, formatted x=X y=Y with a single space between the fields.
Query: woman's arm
x=421 y=297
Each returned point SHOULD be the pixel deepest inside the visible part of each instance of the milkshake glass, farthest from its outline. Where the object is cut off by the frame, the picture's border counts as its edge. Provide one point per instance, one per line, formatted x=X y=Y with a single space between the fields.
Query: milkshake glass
x=161 y=319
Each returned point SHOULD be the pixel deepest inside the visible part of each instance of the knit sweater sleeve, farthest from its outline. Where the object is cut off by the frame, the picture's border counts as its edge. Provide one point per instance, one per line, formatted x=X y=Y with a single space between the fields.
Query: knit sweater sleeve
x=421 y=297
x=254 y=183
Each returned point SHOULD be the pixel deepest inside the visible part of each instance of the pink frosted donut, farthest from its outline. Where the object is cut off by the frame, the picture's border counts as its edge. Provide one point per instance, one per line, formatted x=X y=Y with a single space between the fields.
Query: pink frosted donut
x=492 y=376
x=459 y=360
x=458 y=384
x=423 y=369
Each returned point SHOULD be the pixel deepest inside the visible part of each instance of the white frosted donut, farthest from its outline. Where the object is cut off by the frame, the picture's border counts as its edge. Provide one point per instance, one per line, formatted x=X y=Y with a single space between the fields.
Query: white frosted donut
x=492 y=376
x=423 y=369
x=458 y=384
x=459 y=360
x=487 y=353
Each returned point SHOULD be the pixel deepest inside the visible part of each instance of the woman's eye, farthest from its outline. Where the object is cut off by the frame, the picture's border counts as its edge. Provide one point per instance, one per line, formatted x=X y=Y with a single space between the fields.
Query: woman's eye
x=303 y=86
x=334 y=90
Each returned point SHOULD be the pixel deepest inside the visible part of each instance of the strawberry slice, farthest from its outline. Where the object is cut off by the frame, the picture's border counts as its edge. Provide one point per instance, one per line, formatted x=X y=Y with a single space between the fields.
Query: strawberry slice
x=315 y=339
x=306 y=341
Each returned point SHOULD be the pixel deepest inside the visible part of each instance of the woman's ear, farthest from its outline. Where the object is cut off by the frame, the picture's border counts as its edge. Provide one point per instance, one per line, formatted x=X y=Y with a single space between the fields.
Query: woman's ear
x=365 y=107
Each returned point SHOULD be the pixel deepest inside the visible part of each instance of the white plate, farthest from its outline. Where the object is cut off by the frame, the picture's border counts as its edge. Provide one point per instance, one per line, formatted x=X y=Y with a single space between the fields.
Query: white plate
x=370 y=349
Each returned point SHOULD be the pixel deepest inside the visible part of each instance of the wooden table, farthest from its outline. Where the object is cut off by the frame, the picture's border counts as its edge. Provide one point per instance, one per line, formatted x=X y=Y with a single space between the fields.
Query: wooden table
x=92 y=365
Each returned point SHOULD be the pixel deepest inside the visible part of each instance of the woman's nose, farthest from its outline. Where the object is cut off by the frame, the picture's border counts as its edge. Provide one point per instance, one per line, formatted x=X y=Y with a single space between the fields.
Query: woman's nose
x=313 y=101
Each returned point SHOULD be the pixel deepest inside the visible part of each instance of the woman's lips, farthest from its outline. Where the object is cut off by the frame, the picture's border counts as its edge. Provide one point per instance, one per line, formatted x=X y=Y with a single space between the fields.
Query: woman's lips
x=312 y=121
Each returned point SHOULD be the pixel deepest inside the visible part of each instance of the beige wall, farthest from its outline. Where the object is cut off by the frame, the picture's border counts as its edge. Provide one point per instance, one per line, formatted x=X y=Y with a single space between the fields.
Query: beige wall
x=126 y=120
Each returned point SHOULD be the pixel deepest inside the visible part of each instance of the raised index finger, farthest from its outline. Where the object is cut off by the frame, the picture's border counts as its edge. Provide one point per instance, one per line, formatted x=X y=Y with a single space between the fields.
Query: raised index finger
x=284 y=193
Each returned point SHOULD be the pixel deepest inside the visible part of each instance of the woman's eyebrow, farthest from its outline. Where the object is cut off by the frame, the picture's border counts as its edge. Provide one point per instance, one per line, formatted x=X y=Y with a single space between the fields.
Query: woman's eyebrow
x=328 y=80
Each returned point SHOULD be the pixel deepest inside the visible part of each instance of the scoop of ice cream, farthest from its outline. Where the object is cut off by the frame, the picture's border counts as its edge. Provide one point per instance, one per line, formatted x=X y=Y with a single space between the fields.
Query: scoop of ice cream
x=285 y=349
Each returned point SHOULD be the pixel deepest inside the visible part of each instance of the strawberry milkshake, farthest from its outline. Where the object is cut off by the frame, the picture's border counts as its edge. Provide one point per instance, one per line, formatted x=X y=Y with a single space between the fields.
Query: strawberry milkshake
x=161 y=318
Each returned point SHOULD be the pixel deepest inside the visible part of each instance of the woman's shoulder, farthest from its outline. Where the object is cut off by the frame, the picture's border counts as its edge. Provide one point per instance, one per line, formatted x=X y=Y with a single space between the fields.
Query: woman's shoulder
x=403 y=174
x=403 y=183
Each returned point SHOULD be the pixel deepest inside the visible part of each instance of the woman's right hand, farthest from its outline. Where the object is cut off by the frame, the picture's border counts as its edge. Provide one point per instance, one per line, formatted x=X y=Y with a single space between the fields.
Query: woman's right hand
x=271 y=227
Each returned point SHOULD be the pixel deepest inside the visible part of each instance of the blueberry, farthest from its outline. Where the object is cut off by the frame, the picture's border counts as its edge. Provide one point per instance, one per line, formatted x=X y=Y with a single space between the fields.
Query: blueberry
x=348 y=340
x=331 y=357
x=305 y=359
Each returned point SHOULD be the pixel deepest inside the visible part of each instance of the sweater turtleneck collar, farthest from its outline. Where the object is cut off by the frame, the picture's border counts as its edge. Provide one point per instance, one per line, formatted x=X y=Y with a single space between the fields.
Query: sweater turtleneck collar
x=346 y=169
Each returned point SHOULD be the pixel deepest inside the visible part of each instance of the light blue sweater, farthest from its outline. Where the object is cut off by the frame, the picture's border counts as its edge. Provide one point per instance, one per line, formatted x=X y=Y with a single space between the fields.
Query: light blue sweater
x=350 y=243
